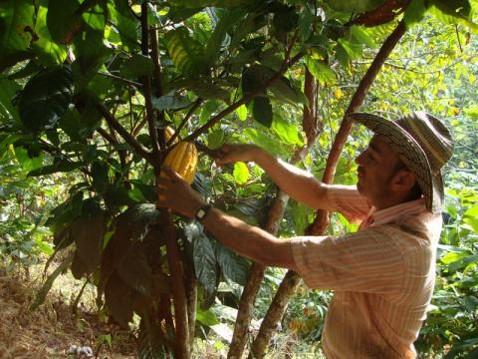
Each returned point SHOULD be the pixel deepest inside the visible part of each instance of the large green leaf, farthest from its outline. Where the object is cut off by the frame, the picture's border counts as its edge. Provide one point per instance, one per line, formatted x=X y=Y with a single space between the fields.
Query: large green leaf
x=45 y=98
x=233 y=266
x=354 y=5
x=48 y=50
x=187 y=53
x=227 y=20
x=205 y=264
x=262 y=110
x=16 y=25
x=137 y=66
x=125 y=23
x=62 y=165
x=321 y=71
x=8 y=88
x=63 y=20
x=256 y=78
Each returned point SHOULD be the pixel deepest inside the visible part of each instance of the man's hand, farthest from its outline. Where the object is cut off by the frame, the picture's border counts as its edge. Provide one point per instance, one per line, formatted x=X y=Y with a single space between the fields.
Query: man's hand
x=177 y=194
x=231 y=153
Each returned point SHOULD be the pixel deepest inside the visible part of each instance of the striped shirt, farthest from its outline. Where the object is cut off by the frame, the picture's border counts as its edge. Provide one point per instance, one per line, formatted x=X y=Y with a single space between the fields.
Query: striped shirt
x=382 y=276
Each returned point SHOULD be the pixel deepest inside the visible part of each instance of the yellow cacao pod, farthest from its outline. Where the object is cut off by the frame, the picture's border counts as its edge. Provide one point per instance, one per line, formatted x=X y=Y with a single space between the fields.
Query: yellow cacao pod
x=169 y=133
x=183 y=159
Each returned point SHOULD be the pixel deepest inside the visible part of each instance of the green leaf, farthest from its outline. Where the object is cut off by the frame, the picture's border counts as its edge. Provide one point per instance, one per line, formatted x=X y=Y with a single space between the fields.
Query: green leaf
x=206 y=317
x=471 y=218
x=241 y=112
x=355 y=5
x=262 y=110
x=323 y=73
x=361 y=35
x=59 y=166
x=414 y=13
x=123 y=20
x=16 y=25
x=227 y=20
x=170 y=102
x=233 y=266
x=241 y=173
x=45 y=98
x=456 y=8
x=187 y=53
x=63 y=21
x=137 y=66
x=99 y=172
x=8 y=89
x=205 y=264
x=48 y=50
x=287 y=132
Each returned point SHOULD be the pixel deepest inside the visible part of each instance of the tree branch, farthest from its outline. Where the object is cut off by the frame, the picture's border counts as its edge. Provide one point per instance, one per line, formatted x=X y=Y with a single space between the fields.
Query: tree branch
x=244 y=99
x=320 y=222
x=153 y=133
x=139 y=149
x=381 y=15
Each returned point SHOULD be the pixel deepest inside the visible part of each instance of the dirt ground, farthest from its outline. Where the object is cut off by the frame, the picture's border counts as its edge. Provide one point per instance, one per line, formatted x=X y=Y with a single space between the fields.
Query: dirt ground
x=52 y=329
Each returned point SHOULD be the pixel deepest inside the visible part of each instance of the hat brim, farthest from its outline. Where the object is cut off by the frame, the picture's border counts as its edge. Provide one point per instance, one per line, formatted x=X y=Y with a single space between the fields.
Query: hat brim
x=411 y=153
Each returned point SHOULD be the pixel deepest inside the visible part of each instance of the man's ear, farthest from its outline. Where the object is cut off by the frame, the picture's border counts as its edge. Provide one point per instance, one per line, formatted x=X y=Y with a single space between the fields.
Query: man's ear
x=404 y=180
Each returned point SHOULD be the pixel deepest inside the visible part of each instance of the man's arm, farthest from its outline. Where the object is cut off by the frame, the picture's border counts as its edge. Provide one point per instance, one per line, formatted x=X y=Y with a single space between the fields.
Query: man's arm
x=297 y=183
x=249 y=241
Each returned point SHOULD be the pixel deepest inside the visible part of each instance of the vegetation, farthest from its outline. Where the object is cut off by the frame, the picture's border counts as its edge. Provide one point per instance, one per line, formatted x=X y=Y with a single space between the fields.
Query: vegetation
x=89 y=89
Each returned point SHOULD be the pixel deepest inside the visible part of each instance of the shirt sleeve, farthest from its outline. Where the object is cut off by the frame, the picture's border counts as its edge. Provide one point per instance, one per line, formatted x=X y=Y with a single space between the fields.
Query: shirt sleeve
x=348 y=201
x=366 y=261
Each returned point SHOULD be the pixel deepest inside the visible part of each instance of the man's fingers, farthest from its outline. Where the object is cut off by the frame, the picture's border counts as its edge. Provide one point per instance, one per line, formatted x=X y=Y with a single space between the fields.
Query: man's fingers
x=171 y=173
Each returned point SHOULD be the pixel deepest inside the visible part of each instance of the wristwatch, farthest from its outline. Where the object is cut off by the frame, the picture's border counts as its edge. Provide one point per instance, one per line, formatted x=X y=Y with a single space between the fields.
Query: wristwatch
x=202 y=212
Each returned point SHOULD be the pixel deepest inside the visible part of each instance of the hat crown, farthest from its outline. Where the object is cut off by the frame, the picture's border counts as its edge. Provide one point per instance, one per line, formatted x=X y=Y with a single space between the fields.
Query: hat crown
x=432 y=136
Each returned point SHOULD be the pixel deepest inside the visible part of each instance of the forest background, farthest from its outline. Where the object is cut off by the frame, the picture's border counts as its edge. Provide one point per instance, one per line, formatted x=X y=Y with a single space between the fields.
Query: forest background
x=87 y=89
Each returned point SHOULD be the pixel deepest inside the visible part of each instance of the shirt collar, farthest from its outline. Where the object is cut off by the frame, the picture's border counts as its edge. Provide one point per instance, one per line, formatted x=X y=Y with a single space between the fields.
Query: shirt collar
x=391 y=214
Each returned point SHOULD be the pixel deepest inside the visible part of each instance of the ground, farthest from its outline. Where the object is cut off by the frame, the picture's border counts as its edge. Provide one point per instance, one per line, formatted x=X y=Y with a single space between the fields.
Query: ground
x=52 y=329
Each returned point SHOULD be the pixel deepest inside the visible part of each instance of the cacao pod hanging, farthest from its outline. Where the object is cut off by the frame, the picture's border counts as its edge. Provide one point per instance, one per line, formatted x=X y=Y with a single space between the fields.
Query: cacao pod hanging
x=183 y=159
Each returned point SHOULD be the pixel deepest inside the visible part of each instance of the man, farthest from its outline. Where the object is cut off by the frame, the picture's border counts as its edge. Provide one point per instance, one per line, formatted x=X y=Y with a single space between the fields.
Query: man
x=383 y=275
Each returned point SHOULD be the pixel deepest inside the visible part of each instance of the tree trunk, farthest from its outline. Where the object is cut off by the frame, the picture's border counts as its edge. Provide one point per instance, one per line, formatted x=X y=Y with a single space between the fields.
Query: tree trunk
x=246 y=304
x=290 y=282
x=182 y=347
x=275 y=313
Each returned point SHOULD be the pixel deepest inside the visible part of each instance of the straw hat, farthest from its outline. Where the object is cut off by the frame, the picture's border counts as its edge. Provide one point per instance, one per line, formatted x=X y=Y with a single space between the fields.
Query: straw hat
x=423 y=143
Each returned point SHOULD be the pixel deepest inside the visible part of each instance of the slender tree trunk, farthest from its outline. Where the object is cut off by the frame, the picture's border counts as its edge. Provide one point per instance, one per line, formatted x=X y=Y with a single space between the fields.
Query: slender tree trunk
x=291 y=280
x=182 y=348
x=275 y=313
x=246 y=304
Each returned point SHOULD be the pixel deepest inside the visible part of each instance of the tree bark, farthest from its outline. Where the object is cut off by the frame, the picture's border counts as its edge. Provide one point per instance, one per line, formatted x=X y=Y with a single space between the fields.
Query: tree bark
x=274 y=314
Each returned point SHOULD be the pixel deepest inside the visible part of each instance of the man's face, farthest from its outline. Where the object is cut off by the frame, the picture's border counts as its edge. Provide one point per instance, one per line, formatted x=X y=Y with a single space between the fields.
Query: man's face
x=377 y=165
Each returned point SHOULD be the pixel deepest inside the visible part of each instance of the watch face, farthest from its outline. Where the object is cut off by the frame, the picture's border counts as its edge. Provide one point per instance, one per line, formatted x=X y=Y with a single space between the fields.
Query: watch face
x=201 y=213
